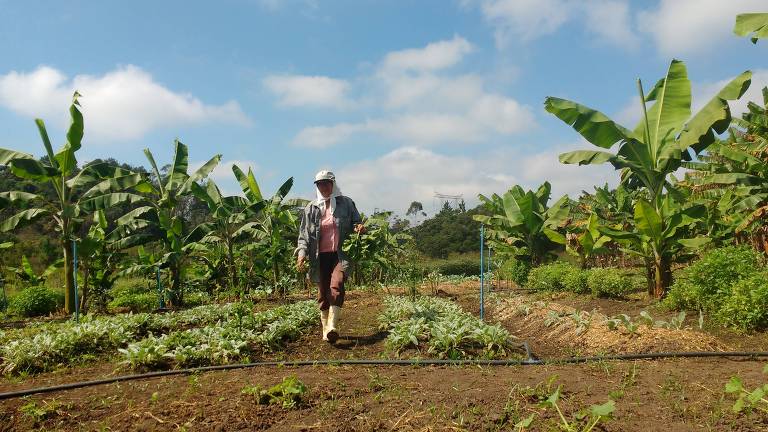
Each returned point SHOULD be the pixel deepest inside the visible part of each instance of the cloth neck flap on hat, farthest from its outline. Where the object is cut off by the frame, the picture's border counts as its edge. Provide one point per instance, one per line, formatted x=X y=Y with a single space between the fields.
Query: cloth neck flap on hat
x=321 y=200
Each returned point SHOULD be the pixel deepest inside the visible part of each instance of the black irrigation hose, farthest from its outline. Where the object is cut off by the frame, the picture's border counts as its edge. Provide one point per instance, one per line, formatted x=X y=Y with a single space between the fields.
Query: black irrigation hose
x=376 y=362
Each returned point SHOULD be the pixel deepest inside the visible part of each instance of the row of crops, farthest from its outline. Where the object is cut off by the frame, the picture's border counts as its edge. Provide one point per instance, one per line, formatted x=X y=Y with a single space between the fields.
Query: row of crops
x=211 y=334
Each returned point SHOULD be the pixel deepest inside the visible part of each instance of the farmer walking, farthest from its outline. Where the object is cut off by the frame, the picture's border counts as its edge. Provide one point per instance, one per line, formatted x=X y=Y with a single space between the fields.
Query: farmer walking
x=325 y=224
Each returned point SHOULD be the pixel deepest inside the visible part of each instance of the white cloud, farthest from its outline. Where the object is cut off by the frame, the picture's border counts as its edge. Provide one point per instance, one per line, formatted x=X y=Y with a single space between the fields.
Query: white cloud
x=326 y=136
x=488 y=115
x=301 y=90
x=435 y=56
x=414 y=174
x=525 y=20
x=682 y=27
x=125 y=103
x=610 y=20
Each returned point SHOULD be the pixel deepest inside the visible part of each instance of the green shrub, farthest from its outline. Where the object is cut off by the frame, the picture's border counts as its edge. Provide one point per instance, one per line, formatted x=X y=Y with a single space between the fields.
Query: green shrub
x=35 y=301
x=549 y=277
x=707 y=282
x=141 y=302
x=516 y=271
x=575 y=280
x=608 y=282
x=746 y=307
x=464 y=267
x=197 y=298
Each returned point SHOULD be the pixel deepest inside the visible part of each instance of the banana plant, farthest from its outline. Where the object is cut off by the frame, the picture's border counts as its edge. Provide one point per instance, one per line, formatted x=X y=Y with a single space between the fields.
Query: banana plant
x=98 y=262
x=734 y=174
x=585 y=242
x=276 y=226
x=227 y=214
x=666 y=136
x=520 y=218
x=376 y=249
x=27 y=274
x=754 y=25
x=163 y=219
x=104 y=185
x=657 y=240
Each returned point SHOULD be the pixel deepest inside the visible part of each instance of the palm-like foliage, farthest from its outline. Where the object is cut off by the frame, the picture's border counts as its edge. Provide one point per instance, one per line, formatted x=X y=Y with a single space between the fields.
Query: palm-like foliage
x=276 y=227
x=377 y=249
x=519 y=220
x=105 y=188
x=98 y=263
x=734 y=174
x=227 y=215
x=162 y=219
x=666 y=136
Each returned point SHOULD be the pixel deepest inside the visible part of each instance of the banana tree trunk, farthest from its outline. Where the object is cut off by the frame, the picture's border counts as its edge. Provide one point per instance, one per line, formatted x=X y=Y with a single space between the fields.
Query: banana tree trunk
x=176 y=296
x=231 y=266
x=662 y=276
x=69 y=281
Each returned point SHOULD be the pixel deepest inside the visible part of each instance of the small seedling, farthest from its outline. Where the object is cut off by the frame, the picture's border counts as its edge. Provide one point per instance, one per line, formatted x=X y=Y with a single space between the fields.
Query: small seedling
x=748 y=400
x=289 y=393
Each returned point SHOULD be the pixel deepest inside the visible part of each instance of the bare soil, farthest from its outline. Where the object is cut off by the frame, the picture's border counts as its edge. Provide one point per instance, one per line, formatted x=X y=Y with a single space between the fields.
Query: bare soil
x=662 y=395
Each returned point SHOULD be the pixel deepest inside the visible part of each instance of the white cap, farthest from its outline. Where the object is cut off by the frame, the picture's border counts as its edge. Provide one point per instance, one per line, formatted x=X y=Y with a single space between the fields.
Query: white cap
x=325 y=175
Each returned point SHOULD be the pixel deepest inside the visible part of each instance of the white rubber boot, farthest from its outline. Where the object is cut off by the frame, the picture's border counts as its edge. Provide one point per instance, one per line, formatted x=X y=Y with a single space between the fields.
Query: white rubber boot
x=333 y=324
x=324 y=321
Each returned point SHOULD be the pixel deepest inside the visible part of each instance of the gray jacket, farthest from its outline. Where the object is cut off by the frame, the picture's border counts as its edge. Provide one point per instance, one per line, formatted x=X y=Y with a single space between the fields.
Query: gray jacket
x=346 y=217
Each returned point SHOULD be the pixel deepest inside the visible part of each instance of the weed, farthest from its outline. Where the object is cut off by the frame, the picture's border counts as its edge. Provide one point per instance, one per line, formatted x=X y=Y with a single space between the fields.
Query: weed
x=747 y=400
x=44 y=411
x=289 y=393
x=590 y=417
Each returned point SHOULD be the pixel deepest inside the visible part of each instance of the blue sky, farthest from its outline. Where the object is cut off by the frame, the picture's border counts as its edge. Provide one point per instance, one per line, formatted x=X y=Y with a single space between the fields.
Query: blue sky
x=401 y=99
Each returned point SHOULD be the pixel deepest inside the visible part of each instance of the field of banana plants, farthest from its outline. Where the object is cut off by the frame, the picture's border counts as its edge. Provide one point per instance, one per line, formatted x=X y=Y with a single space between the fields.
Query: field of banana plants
x=642 y=304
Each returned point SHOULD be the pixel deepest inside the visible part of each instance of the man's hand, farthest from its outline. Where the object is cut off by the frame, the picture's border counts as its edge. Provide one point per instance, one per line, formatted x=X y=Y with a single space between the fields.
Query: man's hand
x=360 y=229
x=301 y=264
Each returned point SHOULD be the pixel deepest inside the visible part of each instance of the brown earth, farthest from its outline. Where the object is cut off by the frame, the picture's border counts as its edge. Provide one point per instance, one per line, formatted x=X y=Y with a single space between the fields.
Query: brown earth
x=662 y=395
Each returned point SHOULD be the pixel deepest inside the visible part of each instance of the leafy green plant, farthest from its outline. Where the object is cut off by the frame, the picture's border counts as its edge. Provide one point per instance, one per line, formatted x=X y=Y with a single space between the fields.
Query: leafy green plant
x=135 y=302
x=553 y=319
x=575 y=280
x=443 y=327
x=589 y=417
x=608 y=282
x=35 y=301
x=748 y=400
x=39 y=412
x=666 y=136
x=746 y=306
x=707 y=282
x=584 y=240
x=616 y=322
x=515 y=270
x=582 y=320
x=549 y=277
x=38 y=348
x=519 y=219
x=29 y=277
x=290 y=393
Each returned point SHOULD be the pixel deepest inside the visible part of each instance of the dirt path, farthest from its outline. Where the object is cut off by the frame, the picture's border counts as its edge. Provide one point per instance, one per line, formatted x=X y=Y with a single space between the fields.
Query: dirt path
x=679 y=395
